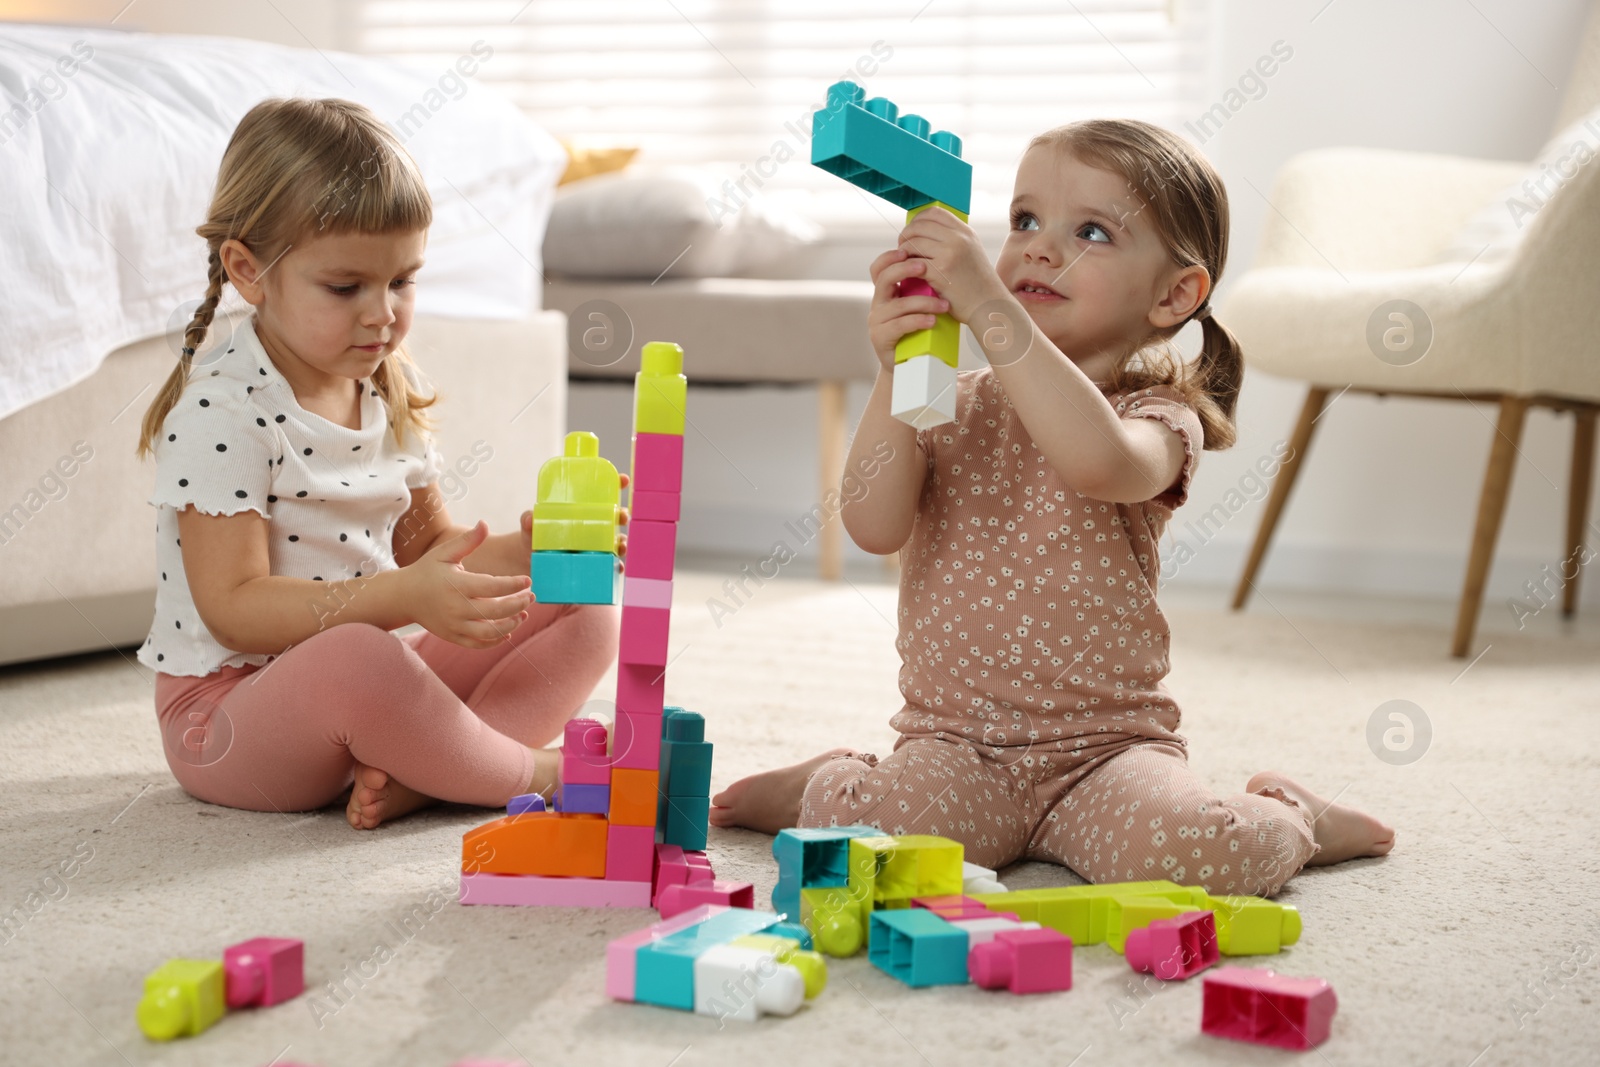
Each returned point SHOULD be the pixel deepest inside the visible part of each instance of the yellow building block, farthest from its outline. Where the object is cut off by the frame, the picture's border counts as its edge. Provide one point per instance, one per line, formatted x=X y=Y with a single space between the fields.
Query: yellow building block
x=943 y=339
x=579 y=499
x=900 y=868
x=181 y=999
x=1125 y=914
x=1079 y=911
x=660 y=391
x=812 y=967
x=836 y=917
x=1251 y=926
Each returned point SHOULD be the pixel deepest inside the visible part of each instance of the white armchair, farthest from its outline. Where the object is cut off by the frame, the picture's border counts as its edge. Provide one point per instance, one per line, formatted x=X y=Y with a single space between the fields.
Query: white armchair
x=1354 y=229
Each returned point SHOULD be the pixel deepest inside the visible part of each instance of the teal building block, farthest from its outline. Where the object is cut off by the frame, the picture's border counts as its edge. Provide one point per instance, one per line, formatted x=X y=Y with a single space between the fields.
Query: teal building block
x=871 y=145
x=793 y=931
x=664 y=969
x=575 y=577
x=685 y=822
x=685 y=756
x=918 y=947
x=807 y=858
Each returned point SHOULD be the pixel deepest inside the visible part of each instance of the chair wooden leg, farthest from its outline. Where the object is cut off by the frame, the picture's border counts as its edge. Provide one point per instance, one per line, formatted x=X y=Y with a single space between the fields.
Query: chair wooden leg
x=1299 y=441
x=1491 y=507
x=1578 y=504
x=831 y=435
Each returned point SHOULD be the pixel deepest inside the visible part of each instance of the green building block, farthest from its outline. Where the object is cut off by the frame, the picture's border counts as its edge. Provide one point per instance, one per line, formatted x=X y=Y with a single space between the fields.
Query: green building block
x=578 y=501
x=660 y=391
x=181 y=999
x=1251 y=926
x=1125 y=914
x=1079 y=911
x=901 y=868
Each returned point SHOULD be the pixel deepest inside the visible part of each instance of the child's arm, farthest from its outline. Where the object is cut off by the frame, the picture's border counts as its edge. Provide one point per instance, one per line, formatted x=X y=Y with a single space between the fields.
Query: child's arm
x=428 y=524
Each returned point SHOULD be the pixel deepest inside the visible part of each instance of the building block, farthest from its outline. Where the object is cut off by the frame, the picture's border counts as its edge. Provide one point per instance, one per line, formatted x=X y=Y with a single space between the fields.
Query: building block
x=1128 y=913
x=664 y=968
x=794 y=932
x=923 y=394
x=182 y=998
x=812 y=967
x=528 y=890
x=621 y=952
x=633 y=796
x=641 y=690
x=953 y=907
x=643 y=642
x=263 y=971
x=698 y=865
x=657 y=464
x=917 y=947
x=538 y=842
x=576 y=577
x=810 y=857
x=980 y=930
x=943 y=338
x=686 y=822
x=638 y=740
x=976 y=879
x=737 y=982
x=1265 y=1008
x=631 y=853
x=679 y=898
x=1174 y=948
x=647 y=593
x=583 y=753
x=578 y=797
x=900 y=868
x=837 y=921
x=577 y=505
x=654 y=505
x=660 y=391
x=1251 y=926
x=1023 y=961
x=871 y=145
x=526 y=802
x=651 y=547
x=674 y=866
x=1079 y=911
x=685 y=756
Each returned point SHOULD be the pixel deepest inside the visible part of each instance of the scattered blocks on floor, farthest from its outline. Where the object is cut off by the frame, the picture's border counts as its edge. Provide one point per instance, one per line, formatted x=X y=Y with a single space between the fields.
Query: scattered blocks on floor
x=1251 y=926
x=621 y=953
x=900 y=868
x=575 y=577
x=1023 y=961
x=674 y=899
x=1175 y=948
x=264 y=971
x=976 y=879
x=917 y=947
x=664 y=968
x=527 y=890
x=1263 y=1007
x=182 y=998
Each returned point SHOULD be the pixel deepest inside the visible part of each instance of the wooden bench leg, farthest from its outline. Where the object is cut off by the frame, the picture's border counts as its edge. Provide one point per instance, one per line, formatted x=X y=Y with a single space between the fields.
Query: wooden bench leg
x=1491 y=507
x=1578 y=504
x=831 y=435
x=1299 y=441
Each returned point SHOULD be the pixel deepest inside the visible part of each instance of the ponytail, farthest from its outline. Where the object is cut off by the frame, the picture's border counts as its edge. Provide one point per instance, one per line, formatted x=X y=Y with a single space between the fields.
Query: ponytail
x=193 y=336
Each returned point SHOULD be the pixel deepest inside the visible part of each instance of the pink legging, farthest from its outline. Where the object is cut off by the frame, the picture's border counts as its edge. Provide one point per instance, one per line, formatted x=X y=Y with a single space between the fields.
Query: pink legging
x=451 y=722
x=1140 y=814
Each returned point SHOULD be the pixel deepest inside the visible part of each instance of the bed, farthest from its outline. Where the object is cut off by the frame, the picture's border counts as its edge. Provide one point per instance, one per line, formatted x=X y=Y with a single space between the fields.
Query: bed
x=109 y=144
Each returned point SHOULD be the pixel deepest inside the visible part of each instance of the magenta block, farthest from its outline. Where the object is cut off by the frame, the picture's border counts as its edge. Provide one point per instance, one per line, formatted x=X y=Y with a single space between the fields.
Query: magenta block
x=1174 y=948
x=674 y=899
x=651 y=547
x=621 y=953
x=657 y=463
x=531 y=890
x=583 y=753
x=647 y=593
x=630 y=853
x=644 y=636
x=641 y=690
x=699 y=866
x=1023 y=961
x=1266 y=1008
x=638 y=741
x=264 y=971
x=655 y=506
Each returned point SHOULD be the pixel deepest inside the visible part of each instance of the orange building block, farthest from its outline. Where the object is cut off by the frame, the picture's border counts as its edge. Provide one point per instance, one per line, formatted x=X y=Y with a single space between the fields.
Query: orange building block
x=633 y=796
x=538 y=842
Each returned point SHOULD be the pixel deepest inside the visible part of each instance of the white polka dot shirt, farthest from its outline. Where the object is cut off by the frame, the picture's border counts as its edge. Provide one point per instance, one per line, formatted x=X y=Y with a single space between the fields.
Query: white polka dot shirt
x=237 y=440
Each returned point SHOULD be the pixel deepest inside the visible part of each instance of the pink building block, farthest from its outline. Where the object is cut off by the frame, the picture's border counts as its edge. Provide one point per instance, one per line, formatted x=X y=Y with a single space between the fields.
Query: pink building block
x=647 y=593
x=657 y=464
x=674 y=866
x=674 y=899
x=699 y=865
x=957 y=907
x=529 y=890
x=622 y=953
x=631 y=853
x=264 y=971
x=651 y=546
x=1023 y=961
x=1175 y=948
x=644 y=635
x=583 y=754
x=638 y=740
x=1266 y=1008
x=641 y=690
x=655 y=506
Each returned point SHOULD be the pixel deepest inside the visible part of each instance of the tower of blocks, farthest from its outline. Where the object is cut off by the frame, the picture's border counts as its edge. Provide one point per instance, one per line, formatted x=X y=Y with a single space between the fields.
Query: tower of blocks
x=871 y=145
x=627 y=825
x=574 y=556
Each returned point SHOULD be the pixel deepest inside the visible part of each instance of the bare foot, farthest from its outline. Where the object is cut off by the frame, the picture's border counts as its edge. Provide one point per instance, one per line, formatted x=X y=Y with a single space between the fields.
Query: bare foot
x=1343 y=833
x=769 y=801
x=376 y=798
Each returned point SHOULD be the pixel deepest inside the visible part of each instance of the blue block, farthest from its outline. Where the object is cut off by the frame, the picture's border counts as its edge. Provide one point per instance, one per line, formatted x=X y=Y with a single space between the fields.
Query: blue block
x=664 y=969
x=584 y=797
x=685 y=823
x=918 y=947
x=525 y=802
x=812 y=857
x=575 y=577
x=869 y=144
x=686 y=768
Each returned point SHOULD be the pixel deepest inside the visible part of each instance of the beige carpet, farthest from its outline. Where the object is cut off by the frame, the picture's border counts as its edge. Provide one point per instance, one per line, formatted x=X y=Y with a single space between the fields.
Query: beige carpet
x=1477 y=942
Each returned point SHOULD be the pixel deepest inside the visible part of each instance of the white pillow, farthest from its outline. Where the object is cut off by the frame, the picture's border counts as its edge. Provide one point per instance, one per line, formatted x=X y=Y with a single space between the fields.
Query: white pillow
x=643 y=220
x=1497 y=227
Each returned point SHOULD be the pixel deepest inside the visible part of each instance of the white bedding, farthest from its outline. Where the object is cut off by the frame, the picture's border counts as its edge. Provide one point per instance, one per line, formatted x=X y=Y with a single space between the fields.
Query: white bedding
x=109 y=148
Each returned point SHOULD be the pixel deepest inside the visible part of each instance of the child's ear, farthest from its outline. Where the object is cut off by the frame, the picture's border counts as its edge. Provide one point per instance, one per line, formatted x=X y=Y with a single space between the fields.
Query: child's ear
x=1187 y=289
x=244 y=271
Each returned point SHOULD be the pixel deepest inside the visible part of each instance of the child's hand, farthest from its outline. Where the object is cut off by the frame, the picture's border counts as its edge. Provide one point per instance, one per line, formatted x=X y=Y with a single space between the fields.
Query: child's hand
x=957 y=266
x=470 y=609
x=622 y=520
x=893 y=316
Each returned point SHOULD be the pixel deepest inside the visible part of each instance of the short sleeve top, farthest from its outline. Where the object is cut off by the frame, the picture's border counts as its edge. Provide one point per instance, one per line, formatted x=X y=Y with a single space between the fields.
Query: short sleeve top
x=1028 y=610
x=238 y=440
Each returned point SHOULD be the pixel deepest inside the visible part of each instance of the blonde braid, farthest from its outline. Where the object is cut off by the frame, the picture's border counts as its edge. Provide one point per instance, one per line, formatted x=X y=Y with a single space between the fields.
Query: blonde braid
x=193 y=335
